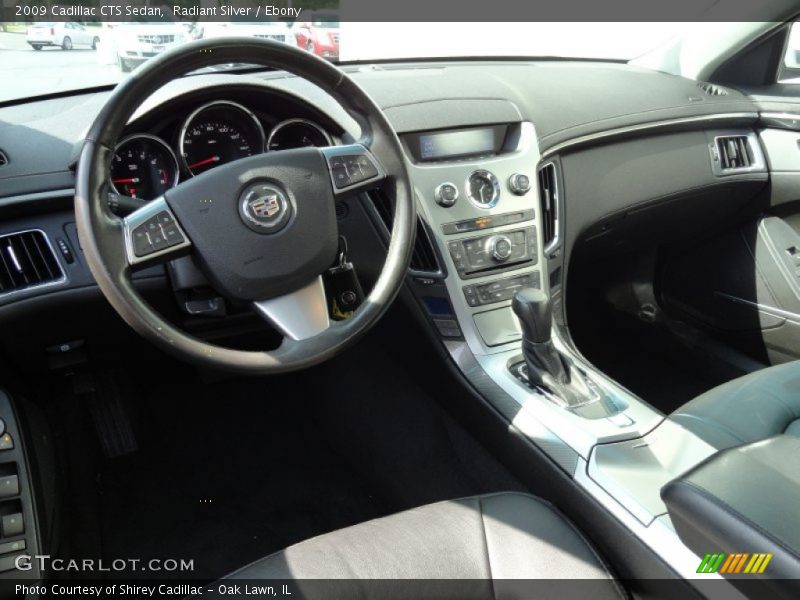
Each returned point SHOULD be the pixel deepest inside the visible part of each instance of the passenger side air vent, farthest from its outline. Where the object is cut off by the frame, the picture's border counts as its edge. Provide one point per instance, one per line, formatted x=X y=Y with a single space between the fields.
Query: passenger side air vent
x=735 y=152
x=548 y=197
x=27 y=261
x=710 y=89
x=3 y=159
x=424 y=258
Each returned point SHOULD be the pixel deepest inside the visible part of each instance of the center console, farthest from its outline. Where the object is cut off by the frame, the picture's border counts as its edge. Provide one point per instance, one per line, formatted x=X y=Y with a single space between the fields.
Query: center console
x=493 y=216
x=478 y=192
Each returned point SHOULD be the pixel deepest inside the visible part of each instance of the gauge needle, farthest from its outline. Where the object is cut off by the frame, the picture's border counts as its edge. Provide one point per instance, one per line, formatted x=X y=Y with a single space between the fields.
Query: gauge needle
x=206 y=161
x=126 y=180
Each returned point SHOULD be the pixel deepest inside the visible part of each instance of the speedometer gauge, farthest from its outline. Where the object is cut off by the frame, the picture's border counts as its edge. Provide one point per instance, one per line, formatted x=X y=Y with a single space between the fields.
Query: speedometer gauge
x=218 y=133
x=143 y=167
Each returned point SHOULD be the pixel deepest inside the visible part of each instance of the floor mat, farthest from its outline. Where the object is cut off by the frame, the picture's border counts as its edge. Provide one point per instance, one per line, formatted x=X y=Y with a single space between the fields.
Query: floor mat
x=233 y=472
x=229 y=472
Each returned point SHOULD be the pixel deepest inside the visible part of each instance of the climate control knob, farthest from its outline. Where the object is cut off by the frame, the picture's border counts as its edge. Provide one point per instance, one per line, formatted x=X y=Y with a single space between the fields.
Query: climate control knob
x=519 y=183
x=446 y=194
x=500 y=247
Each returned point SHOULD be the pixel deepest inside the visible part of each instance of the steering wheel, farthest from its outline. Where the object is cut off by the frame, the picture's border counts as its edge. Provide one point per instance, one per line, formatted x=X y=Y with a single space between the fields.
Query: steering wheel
x=263 y=229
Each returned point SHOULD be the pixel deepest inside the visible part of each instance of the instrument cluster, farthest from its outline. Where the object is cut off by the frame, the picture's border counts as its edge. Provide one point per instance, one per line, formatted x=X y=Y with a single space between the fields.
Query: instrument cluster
x=144 y=166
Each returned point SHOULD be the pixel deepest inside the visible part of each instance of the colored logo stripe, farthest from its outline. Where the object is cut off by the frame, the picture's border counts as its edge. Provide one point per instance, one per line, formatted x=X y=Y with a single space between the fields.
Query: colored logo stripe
x=720 y=562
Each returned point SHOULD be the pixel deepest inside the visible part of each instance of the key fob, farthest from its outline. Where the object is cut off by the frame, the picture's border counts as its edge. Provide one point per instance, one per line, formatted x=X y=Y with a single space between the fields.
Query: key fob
x=342 y=287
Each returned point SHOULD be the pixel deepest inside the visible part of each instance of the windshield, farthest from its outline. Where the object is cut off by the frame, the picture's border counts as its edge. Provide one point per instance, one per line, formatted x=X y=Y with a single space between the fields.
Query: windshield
x=43 y=58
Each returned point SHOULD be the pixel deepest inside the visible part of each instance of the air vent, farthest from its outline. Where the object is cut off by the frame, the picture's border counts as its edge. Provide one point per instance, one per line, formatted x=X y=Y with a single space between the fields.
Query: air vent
x=27 y=261
x=710 y=89
x=735 y=152
x=424 y=258
x=548 y=196
x=3 y=159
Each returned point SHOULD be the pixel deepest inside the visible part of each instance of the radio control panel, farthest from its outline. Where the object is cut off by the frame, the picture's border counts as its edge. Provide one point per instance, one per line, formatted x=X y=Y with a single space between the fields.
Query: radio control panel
x=482 y=213
x=475 y=256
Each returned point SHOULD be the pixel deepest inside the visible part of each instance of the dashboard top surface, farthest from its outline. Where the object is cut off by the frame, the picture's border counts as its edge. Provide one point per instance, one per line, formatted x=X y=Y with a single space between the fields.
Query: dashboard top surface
x=565 y=99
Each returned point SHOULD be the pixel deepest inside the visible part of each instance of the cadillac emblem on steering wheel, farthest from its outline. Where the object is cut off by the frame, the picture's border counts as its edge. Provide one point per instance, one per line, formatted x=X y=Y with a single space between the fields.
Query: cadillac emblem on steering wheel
x=264 y=208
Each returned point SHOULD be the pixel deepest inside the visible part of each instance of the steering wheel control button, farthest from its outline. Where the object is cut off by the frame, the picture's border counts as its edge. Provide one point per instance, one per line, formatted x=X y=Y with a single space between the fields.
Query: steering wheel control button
x=265 y=208
x=483 y=189
x=156 y=233
x=446 y=194
x=351 y=169
x=500 y=247
x=9 y=486
x=6 y=442
x=13 y=525
x=519 y=183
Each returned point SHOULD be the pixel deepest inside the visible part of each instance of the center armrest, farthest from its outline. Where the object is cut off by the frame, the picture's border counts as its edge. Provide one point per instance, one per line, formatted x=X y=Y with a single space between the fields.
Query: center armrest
x=744 y=501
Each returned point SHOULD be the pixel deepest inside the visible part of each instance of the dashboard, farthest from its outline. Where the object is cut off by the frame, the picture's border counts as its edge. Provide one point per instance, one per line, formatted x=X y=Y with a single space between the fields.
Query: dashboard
x=508 y=176
x=155 y=156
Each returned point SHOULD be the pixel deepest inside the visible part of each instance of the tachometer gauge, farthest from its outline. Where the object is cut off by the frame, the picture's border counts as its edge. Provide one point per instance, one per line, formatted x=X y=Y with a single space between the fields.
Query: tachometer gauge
x=218 y=133
x=144 y=167
x=297 y=133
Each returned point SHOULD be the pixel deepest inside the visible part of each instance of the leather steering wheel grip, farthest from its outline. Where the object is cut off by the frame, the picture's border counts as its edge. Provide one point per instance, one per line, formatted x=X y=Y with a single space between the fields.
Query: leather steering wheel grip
x=101 y=233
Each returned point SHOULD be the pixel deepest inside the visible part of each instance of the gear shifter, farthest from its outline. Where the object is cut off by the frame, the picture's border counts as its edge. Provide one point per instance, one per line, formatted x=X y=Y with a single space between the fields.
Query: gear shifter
x=547 y=367
x=532 y=308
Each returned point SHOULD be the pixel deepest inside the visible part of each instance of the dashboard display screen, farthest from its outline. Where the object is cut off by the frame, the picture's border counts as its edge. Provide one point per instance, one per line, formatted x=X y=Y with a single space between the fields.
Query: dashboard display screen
x=464 y=142
x=456 y=143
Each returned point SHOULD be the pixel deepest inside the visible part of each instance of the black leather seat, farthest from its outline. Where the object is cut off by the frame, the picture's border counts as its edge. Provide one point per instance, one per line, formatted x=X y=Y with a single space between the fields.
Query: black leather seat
x=486 y=538
x=748 y=409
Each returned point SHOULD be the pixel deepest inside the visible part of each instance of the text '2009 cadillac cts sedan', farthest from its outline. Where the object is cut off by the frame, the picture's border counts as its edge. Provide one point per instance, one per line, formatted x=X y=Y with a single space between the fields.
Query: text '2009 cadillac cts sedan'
x=448 y=319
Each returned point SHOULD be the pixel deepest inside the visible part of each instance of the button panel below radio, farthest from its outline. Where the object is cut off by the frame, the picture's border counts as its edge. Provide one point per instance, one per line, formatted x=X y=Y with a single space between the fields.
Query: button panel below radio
x=499 y=290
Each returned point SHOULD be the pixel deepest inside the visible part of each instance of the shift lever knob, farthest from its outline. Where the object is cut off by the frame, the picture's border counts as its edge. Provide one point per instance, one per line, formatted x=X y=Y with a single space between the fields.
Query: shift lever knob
x=532 y=307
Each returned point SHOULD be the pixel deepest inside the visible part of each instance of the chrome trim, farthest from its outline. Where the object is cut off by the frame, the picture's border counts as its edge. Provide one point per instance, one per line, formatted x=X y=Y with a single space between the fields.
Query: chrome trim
x=552 y=244
x=152 y=138
x=14 y=259
x=300 y=315
x=62 y=194
x=661 y=537
x=283 y=124
x=213 y=104
x=622 y=131
x=437 y=194
x=514 y=186
x=634 y=471
x=763 y=308
x=781 y=120
x=61 y=280
x=133 y=220
x=577 y=432
x=495 y=189
x=491 y=245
